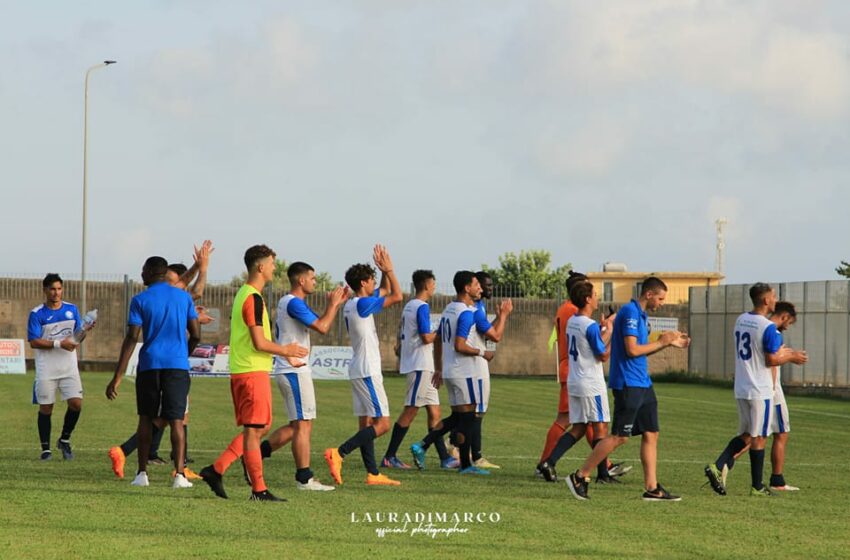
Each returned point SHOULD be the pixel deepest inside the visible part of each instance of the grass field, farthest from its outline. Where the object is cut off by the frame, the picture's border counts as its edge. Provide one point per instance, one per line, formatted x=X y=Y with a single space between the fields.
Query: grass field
x=78 y=509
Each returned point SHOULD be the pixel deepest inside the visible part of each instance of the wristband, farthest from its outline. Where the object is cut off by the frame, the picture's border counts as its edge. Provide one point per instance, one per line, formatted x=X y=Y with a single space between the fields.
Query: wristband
x=57 y=343
x=481 y=352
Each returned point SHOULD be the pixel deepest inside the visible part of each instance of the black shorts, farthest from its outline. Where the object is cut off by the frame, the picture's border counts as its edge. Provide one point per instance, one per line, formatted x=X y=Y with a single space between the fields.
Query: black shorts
x=635 y=411
x=162 y=393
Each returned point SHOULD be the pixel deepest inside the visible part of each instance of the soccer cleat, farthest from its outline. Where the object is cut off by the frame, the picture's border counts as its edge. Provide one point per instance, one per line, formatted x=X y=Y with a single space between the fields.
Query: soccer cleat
x=188 y=473
x=156 y=460
x=538 y=473
x=116 y=455
x=380 y=479
x=472 y=469
x=265 y=496
x=578 y=486
x=760 y=493
x=449 y=463
x=548 y=471
x=313 y=484
x=712 y=473
x=483 y=463
x=394 y=463
x=418 y=456
x=784 y=488
x=453 y=451
x=65 y=447
x=334 y=461
x=660 y=495
x=46 y=455
x=141 y=479
x=618 y=469
x=607 y=479
x=213 y=479
x=180 y=481
x=724 y=472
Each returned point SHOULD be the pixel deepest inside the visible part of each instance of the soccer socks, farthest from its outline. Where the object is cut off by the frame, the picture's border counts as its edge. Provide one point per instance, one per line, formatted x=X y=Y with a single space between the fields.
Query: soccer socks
x=71 y=417
x=564 y=444
x=44 y=430
x=552 y=436
x=233 y=452
x=303 y=475
x=475 y=438
x=777 y=480
x=735 y=445
x=359 y=439
x=602 y=467
x=464 y=428
x=448 y=424
x=757 y=467
x=440 y=446
x=367 y=452
x=395 y=441
x=265 y=449
x=254 y=466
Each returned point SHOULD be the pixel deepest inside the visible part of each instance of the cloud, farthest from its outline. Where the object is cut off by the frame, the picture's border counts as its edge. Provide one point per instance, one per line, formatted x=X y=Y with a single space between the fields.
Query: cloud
x=590 y=151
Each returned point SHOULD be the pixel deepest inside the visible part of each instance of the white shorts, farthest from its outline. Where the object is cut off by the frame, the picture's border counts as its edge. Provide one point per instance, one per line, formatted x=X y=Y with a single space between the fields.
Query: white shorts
x=584 y=410
x=369 y=397
x=779 y=422
x=420 y=391
x=298 y=394
x=754 y=417
x=44 y=390
x=469 y=390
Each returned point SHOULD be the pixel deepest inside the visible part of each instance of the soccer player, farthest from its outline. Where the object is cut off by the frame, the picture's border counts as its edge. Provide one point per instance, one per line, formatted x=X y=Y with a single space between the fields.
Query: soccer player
x=417 y=363
x=758 y=349
x=294 y=322
x=251 y=350
x=164 y=314
x=367 y=380
x=461 y=347
x=588 y=347
x=50 y=332
x=635 y=405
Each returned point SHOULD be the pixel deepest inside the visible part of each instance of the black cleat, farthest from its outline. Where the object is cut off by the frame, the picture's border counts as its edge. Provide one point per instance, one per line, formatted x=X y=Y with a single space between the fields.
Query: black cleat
x=578 y=486
x=65 y=447
x=548 y=471
x=607 y=480
x=265 y=496
x=660 y=495
x=46 y=455
x=715 y=479
x=156 y=460
x=213 y=479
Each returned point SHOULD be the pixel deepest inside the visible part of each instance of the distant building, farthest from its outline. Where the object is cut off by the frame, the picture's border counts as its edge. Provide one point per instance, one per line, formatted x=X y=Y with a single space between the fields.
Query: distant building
x=618 y=285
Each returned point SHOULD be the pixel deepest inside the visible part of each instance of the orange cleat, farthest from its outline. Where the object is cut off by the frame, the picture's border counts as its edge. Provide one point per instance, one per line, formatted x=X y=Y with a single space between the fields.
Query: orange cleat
x=334 y=461
x=381 y=479
x=188 y=473
x=118 y=459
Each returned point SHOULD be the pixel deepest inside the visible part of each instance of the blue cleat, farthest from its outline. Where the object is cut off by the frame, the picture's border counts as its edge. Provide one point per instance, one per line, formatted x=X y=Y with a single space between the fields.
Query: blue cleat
x=418 y=456
x=472 y=469
x=394 y=463
x=449 y=463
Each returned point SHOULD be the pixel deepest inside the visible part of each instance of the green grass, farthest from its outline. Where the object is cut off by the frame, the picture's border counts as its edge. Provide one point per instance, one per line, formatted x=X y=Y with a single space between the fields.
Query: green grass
x=79 y=509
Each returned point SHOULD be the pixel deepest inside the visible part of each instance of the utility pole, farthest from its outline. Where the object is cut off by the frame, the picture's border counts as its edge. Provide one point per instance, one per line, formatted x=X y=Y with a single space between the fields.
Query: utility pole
x=720 y=254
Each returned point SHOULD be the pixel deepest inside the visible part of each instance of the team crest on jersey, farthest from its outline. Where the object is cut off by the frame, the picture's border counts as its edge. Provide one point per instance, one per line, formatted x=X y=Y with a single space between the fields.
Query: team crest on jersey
x=631 y=324
x=69 y=315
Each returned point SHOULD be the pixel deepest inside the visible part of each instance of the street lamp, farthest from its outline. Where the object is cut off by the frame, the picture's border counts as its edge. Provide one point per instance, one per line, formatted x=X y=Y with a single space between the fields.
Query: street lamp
x=85 y=177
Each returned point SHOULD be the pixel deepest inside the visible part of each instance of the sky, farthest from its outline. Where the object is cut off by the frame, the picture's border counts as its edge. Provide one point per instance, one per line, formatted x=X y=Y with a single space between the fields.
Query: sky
x=450 y=131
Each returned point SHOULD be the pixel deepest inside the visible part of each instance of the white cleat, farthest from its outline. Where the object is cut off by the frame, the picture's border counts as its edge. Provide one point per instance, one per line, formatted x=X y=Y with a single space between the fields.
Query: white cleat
x=483 y=463
x=786 y=488
x=141 y=479
x=315 y=485
x=180 y=482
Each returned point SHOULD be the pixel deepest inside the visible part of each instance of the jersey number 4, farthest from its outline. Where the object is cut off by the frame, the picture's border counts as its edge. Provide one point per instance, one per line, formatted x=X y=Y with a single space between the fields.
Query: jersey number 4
x=743 y=345
x=573 y=350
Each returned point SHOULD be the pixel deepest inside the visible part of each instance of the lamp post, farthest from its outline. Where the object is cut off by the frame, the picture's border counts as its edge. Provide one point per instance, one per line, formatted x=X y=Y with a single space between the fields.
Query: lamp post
x=103 y=64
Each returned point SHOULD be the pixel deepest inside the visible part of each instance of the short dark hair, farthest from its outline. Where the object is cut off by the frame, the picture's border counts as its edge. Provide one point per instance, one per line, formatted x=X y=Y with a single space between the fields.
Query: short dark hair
x=462 y=279
x=178 y=268
x=50 y=279
x=157 y=266
x=580 y=292
x=257 y=253
x=420 y=278
x=652 y=284
x=785 y=307
x=483 y=275
x=758 y=291
x=572 y=278
x=358 y=273
x=296 y=269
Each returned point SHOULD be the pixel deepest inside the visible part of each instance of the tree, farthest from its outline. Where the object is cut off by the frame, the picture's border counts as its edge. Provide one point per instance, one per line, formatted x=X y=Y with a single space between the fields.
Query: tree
x=528 y=274
x=324 y=281
x=844 y=269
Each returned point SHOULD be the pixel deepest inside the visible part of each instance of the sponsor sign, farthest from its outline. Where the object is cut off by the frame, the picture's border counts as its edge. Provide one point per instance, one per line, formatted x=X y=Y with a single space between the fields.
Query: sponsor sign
x=12 y=357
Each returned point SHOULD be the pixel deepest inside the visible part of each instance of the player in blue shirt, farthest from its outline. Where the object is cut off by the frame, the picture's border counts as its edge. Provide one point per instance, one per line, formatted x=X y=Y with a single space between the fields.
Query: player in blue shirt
x=635 y=405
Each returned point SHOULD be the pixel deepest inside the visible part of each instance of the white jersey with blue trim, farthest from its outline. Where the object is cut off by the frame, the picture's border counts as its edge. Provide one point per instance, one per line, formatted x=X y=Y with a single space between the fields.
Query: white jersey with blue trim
x=54 y=324
x=359 y=321
x=584 y=345
x=415 y=355
x=755 y=336
x=458 y=320
x=292 y=324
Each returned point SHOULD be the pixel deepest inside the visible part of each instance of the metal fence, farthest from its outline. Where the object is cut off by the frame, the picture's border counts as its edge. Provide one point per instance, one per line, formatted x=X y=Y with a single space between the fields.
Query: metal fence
x=822 y=329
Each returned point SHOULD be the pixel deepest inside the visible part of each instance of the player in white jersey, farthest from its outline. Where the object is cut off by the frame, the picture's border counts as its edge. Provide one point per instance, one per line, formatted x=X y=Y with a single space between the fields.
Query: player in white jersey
x=50 y=331
x=293 y=324
x=588 y=347
x=462 y=366
x=757 y=350
x=367 y=380
x=416 y=353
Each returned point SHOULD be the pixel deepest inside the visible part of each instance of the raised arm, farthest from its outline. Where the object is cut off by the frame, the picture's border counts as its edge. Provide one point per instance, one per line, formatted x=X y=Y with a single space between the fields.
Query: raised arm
x=497 y=328
x=336 y=297
x=390 y=288
x=202 y=262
